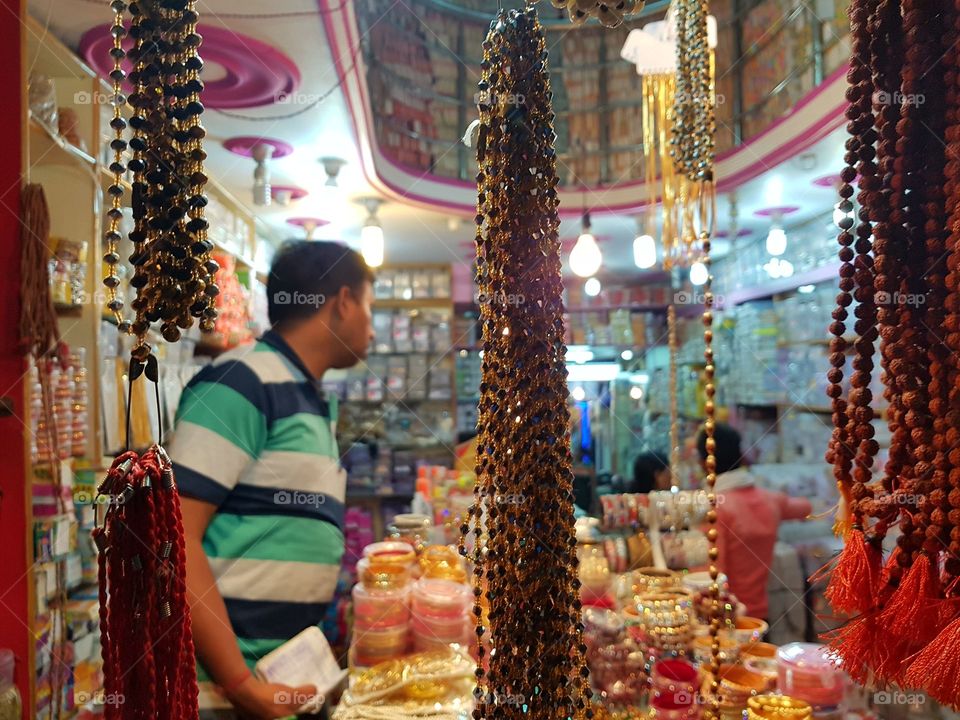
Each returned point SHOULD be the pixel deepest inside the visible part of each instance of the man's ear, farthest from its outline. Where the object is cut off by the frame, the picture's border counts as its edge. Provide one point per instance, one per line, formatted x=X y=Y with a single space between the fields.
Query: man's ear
x=342 y=300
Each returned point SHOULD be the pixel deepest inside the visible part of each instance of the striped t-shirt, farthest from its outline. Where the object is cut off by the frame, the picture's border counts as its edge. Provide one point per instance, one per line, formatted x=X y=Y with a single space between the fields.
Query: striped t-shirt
x=255 y=437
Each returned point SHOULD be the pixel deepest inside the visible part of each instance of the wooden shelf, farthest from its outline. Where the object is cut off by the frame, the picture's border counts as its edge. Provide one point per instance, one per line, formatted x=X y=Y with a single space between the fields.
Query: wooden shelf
x=52 y=149
x=72 y=311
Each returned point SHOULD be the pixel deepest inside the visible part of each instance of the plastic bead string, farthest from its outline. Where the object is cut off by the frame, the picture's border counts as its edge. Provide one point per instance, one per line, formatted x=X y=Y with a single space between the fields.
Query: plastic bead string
x=145 y=620
x=901 y=267
x=524 y=550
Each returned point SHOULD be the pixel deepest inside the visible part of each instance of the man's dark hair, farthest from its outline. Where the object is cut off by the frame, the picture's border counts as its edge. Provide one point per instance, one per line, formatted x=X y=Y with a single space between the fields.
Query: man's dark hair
x=306 y=272
x=727 y=447
x=645 y=469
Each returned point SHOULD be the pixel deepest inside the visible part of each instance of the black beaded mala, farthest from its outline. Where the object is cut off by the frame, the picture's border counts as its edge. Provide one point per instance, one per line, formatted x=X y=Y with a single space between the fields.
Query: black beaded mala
x=145 y=620
x=525 y=550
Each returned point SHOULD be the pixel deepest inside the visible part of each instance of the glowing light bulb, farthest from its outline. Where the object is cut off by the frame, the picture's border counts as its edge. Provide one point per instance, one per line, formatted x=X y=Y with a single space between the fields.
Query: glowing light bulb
x=776 y=241
x=699 y=273
x=644 y=251
x=592 y=287
x=371 y=245
x=636 y=392
x=578 y=394
x=586 y=258
x=627 y=355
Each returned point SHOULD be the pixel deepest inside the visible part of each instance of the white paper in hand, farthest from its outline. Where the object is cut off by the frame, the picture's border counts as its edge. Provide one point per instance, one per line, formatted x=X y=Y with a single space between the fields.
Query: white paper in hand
x=306 y=659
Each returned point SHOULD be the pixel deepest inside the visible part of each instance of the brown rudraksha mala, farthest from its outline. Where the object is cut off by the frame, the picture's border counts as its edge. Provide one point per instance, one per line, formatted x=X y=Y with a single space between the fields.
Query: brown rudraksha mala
x=524 y=548
x=145 y=620
x=901 y=267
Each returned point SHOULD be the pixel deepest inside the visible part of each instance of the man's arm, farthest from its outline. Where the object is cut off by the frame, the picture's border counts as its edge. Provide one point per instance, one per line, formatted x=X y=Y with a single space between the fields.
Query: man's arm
x=794 y=508
x=213 y=634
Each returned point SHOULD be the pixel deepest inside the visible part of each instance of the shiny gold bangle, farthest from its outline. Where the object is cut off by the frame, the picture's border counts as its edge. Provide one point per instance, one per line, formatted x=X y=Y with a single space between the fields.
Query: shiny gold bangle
x=380 y=678
x=779 y=706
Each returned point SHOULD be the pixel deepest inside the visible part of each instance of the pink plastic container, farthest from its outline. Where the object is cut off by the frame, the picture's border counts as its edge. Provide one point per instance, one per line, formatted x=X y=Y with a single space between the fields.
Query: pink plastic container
x=440 y=599
x=375 y=646
x=380 y=609
x=435 y=631
x=807 y=672
x=674 y=678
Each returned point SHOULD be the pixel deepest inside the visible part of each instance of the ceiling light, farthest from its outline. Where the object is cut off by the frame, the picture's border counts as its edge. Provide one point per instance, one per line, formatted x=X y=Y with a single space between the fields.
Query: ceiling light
x=806 y=289
x=776 y=241
x=786 y=268
x=579 y=354
x=585 y=258
x=773 y=268
x=644 y=251
x=699 y=273
x=578 y=394
x=626 y=355
x=592 y=287
x=261 y=152
x=636 y=393
x=332 y=167
x=371 y=234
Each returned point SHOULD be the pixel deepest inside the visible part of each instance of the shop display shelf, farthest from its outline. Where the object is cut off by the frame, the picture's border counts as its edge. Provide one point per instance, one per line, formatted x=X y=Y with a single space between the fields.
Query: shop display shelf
x=52 y=149
x=412 y=304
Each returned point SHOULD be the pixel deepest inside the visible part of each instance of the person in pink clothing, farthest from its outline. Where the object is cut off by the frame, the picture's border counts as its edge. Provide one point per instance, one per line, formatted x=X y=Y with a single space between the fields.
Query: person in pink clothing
x=748 y=518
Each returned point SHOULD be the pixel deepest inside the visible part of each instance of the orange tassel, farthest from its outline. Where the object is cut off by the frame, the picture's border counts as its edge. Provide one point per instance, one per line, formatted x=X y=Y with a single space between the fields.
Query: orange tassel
x=854 y=577
x=909 y=621
x=853 y=644
x=936 y=669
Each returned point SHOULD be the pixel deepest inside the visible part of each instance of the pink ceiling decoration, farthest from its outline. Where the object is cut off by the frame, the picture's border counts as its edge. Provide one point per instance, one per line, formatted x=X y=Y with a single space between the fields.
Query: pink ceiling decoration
x=827 y=181
x=778 y=210
x=243 y=145
x=742 y=232
x=252 y=73
x=307 y=222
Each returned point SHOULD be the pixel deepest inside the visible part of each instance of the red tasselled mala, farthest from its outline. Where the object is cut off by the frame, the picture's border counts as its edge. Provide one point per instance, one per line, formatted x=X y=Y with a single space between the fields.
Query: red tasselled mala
x=145 y=626
x=851 y=579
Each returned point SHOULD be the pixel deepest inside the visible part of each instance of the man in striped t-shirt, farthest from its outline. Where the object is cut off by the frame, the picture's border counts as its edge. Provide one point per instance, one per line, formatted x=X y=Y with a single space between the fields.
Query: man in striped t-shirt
x=258 y=470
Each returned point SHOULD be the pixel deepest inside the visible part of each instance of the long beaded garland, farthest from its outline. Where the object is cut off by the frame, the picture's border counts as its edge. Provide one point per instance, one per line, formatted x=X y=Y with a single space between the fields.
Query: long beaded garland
x=901 y=268
x=693 y=134
x=525 y=569
x=145 y=621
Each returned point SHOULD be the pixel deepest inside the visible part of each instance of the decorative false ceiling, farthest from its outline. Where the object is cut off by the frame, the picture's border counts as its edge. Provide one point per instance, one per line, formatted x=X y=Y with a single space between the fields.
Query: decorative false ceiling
x=251 y=73
x=321 y=118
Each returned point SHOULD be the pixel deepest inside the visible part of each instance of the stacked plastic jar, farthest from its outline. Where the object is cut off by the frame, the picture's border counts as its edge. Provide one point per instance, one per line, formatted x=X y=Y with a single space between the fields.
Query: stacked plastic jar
x=441 y=613
x=62 y=384
x=78 y=370
x=381 y=606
